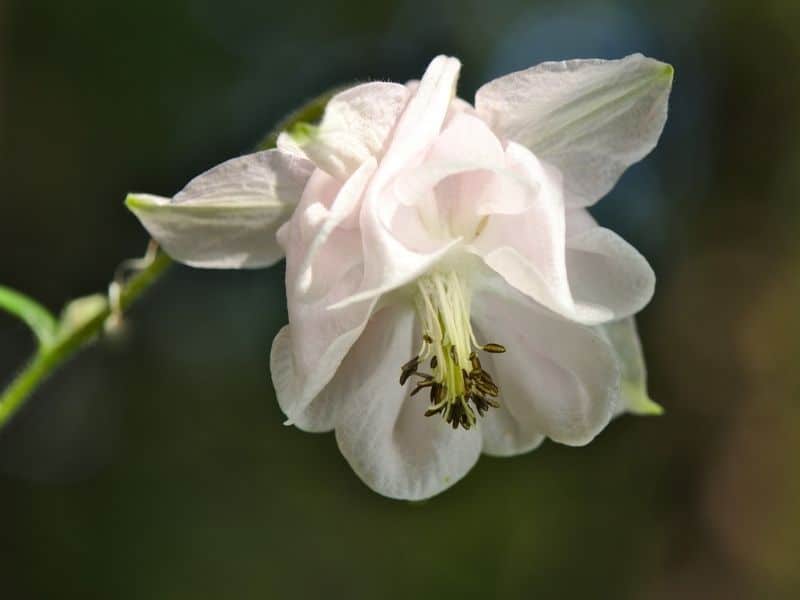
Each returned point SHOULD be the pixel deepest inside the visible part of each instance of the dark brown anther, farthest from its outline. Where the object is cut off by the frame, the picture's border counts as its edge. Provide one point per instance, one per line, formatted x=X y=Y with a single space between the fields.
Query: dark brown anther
x=476 y=363
x=421 y=386
x=465 y=423
x=480 y=403
x=486 y=388
x=475 y=374
x=484 y=376
x=408 y=369
x=411 y=365
x=433 y=411
x=428 y=339
x=480 y=390
x=494 y=348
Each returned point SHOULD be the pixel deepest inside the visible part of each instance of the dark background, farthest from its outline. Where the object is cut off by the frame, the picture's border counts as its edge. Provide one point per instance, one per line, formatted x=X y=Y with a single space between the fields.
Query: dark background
x=157 y=466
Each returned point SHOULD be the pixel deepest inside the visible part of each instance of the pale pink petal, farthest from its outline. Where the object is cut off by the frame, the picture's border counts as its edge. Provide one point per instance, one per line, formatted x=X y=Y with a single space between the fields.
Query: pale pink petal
x=592 y=119
x=308 y=352
x=381 y=431
x=356 y=126
x=557 y=378
x=624 y=340
x=315 y=415
x=506 y=434
x=422 y=119
x=528 y=250
x=388 y=263
x=227 y=217
x=464 y=176
x=324 y=265
x=606 y=273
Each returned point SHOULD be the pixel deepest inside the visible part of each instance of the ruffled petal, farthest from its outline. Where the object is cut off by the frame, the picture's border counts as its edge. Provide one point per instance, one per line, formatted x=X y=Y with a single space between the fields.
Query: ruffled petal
x=227 y=217
x=466 y=174
x=506 y=434
x=590 y=118
x=565 y=261
x=324 y=265
x=356 y=126
x=381 y=431
x=323 y=261
x=528 y=250
x=624 y=340
x=308 y=352
x=606 y=273
x=423 y=116
x=556 y=377
x=388 y=263
x=315 y=415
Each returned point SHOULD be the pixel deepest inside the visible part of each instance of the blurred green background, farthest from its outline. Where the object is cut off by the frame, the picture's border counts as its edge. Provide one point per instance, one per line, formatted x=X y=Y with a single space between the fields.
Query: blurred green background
x=157 y=466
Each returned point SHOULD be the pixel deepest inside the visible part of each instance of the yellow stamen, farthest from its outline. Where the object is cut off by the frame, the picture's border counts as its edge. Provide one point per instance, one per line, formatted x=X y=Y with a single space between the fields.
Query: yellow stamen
x=458 y=384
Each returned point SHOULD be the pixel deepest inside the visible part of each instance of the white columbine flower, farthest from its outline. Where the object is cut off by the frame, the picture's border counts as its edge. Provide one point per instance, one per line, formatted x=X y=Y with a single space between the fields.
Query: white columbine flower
x=448 y=292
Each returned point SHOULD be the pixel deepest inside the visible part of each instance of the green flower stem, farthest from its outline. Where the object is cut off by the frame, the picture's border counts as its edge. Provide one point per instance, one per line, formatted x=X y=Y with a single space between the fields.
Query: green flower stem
x=59 y=341
x=69 y=340
x=37 y=317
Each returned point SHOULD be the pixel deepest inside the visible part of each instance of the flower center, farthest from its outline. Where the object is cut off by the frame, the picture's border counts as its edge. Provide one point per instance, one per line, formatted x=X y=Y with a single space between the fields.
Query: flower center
x=457 y=384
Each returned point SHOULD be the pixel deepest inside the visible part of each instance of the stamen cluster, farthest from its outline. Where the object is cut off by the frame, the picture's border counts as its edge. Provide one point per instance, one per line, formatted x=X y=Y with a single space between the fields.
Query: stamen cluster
x=458 y=385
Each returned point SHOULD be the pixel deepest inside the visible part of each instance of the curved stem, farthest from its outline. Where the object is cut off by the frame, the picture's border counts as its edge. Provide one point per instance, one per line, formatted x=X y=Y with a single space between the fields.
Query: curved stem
x=56 y=346
x=35 y=316
x=51 y=355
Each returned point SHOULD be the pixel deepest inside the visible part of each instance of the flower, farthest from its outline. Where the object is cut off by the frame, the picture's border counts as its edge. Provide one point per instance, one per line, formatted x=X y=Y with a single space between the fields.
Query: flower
x=448 y=292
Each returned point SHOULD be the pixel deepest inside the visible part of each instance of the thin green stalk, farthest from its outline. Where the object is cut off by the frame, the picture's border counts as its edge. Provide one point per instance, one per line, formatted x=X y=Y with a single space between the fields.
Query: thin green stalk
x=37 y=317
x=49 y=356
x=59 y=341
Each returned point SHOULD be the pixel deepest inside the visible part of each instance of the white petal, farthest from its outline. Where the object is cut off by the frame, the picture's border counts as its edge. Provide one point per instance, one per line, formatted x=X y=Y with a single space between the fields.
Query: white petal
x=590 y=118
x=307 y=353
x=624 y=339
x=356 y=127
x=465 y=171
x=566 y=262
x=529 y=249
x=505 y=434
x=345 y=206
x=424 y=114
x=406 y=267
x=388 y=264
x=310 y=351
x=384 y=435
x=227 y=217
x=606 y=273
x=556 y=377
x=287 y=144
x=316 y=415
x=325 y=325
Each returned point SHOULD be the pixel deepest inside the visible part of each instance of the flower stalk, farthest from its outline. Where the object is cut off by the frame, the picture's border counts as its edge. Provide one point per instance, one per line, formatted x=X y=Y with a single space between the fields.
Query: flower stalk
x=71 y=334
x=58 y=340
